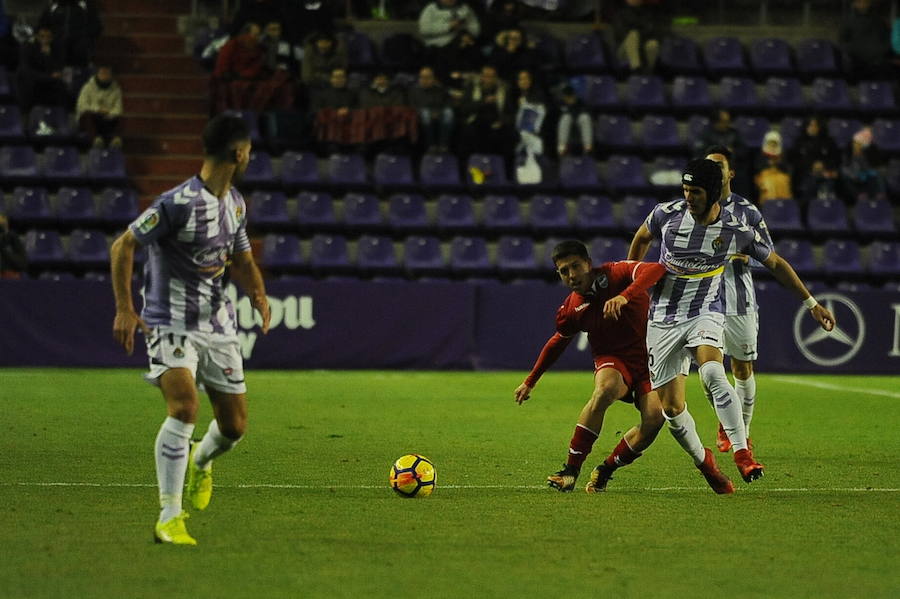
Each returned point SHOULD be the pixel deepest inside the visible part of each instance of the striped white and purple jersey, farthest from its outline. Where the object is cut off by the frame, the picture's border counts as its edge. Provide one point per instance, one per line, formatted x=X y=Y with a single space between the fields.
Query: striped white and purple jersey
x=740 y=296
x=190 y=235
x=695 y=256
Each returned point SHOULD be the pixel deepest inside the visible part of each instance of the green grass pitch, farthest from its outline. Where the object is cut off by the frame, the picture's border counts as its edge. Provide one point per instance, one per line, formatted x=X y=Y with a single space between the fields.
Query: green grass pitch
x=302 y=507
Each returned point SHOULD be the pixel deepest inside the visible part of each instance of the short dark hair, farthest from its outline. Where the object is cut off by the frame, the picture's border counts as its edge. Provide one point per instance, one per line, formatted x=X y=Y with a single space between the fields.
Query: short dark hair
x=221 y=133
x=724 y=151
x=570 y=247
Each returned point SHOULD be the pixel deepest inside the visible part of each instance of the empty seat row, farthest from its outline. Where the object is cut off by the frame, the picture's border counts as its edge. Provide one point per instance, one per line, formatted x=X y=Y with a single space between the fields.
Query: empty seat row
x=81 y=249
x=22 y=163
x=74 y=206
x=830 y=216
x=842 y=258
x=46 y=124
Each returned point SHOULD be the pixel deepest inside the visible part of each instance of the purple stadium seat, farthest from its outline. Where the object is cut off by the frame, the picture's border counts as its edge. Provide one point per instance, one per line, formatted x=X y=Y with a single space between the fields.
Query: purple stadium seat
x=62 y=164
x=634 y=211
x=50 y=123
x=770 y=56
x=11 y=126
x=782 y=95
x=873 y=216
x=268 y=209
x=362 y=211
x=548 y=213
x=376 y=255
x=44 y=248
x=841 y=257
x=697 y=126
x=105 y=165
x=75 y=205
x=422 y=255
x=782 y=216
x=578 y=172
x=281 y=252
x=667 y=165
x=492 y=168
x=455 y=213
x=791 y=128
x=328 y=255
x=30 y=206
x=346 y=169
x=886 y=135
x=315 y=210
x=625 y=173
x=516 y=256
x=607 y=249
x=406 y=212
x=843 y=130
x=738 y=94
x=600 y=93
x=724 y=56
x=826 y=215
x=830 y=96
x=645 y=93
x=799 y=253
x=593 y=214
x=892 y=176
x=18 y=163
x=439 y=171
x=469 y=256
x=502 y=213
x=816 y=58
x=680 y=55
x=884 y=258
x=118 y=206
x=360 y=50
x=88 y=249
x=586 y=54
x=299 y=168
x=876 y=98
x=545 y=254
x=752 y=129
x=393 y=171
x=614 y=132
x=259 y=171
x=691 y=94
x=660 y=134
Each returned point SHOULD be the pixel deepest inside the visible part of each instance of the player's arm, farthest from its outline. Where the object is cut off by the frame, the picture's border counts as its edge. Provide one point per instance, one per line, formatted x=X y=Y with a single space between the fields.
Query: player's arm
x=121 y=269
x=551 y=352
x=246 y=274
x=643 y=275
x=784 y=273
x=640 y=244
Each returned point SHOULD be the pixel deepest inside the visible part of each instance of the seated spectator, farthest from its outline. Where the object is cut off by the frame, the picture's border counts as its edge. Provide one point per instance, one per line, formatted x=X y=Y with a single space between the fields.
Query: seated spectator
x=13 y=260
x=39 y=79
x=332 y=111
x=76 y=24
x=337 y=95
x=574 y=115
x=432 y=103
x=450 y=29
x=815 y=159
x=510 y=54
x=865 y=41
x=859 y=171
x=381 y=93
x=322 y=54
x=257 y=11
x=772 y=175
x=529 y=104
x=99 y=108
x=638 y=28
x=483 y=110
x=281 y=54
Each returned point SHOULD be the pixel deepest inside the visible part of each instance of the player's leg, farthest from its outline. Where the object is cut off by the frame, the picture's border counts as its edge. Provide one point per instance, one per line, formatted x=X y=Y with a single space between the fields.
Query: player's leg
x=745 y=387
x=608 y=387
x=741 y=334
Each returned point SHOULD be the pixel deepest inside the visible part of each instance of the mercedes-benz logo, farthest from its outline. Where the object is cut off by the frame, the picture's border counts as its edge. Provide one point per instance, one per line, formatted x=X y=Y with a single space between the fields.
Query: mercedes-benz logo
x=849 y=334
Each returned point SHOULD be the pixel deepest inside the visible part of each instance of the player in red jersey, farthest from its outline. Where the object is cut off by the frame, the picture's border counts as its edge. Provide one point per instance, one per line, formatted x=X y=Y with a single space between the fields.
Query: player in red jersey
x=610 y=303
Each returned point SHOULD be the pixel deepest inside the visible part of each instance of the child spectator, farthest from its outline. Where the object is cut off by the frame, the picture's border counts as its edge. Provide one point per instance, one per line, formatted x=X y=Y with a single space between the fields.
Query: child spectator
x=773 y=179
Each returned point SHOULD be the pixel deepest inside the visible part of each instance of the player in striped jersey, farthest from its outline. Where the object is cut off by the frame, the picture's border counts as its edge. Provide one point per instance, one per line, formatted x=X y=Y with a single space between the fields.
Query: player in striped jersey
x=192 y=233
x=741 y=310
x=686 y=313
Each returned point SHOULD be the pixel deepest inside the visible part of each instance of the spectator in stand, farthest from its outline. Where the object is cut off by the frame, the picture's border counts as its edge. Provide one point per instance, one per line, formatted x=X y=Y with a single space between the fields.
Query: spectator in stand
x=39 y=79
x=13 y=260
x=322 y=54
x=865 y=41
x=816 y=161
x=483 y=109
x=281 y=54
x=529 y=108
x=99 y=108
x=639 y=27
x=337 y=95
x=381 y=93
x=772 y=178
x=257 y=11
x=574 y=115
x=76 y=24
x=432 y=103
x=450 y=29
x=859 y=172
x=336 y=124
x=722 y=132
x=511 y=54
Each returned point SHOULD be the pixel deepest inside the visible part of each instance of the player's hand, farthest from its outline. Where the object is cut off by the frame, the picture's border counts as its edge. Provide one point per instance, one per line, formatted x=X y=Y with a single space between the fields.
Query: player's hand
x=523 y=392
x=823 y=316
x=123 y=329
x=612 y=309
x=262 y=306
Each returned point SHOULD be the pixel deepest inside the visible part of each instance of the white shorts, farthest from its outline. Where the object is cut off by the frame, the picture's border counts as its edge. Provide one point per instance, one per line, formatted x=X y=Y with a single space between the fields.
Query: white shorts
x=213 y=359
x=741 y=332
x=668 y=347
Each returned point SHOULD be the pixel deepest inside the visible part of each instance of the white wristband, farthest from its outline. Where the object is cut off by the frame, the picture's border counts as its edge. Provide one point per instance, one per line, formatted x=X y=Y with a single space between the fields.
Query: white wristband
x=810 y=303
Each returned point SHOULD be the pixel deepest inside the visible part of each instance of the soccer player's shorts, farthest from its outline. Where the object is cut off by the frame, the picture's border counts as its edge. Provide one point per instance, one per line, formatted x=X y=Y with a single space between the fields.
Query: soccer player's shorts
x=669 y=346
x=633 y=370
x=214 y=359
x=741 y=331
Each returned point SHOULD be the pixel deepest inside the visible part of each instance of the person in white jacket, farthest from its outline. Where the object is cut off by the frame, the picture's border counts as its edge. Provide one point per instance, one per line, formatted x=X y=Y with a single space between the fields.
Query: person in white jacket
x=99 y=109
x=450 y=30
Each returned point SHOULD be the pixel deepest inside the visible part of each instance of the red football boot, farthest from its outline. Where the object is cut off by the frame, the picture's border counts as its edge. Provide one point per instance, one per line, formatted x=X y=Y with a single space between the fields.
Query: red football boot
x=714 y=477
x=749 y=468
x=723 y=443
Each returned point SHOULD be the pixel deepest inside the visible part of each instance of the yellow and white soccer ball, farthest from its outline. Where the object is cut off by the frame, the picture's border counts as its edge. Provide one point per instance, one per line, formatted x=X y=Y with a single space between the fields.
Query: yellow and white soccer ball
x=413 y=475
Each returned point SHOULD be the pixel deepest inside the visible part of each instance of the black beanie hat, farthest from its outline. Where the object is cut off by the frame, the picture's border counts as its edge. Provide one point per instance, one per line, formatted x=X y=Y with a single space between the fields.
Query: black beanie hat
x=707 y=174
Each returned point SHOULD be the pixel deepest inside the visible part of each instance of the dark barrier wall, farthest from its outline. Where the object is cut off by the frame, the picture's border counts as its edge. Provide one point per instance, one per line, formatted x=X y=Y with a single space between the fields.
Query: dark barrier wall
x=426 y=326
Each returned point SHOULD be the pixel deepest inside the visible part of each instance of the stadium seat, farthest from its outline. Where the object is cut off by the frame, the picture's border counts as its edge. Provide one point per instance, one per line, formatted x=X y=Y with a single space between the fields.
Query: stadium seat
x=315 y=211
x=548 y=214
x=876 y=98
x=516 y=257
x=799 y=253
x=816 y=58
x=75 y=206
x=843 y=130
x=489 y=169
x=281 y=252
x=393 y=172
x=51 y=124
x=841 y=257
x=594 y=214
x=645 y=93
x=362 y=211
x=346 y=170
x=360 y=50
x=830 y=96
x=44 y=248
x=30 y=206
x=886 y=135
x=422 y=256
x=586 y=54
x=680 y=56
x=884 y=258
x=259 y=171
x=117 y=206
x=782 y=216
x=502 y=214
x=691 y=94
x=88 y=249
x=770 y=56
x=328 y=255
x=440 y=172
x=873 y=216
x=299 y=169
x=783 y=95
x=613 y=132
x=12 y=128
x=626 y=174
x=697 y=126
x=599 y=92
x=268 y=210
x=469 y=256
x=752 y=130
x=455 y=213
x=105 y=165
x=406 y=212
x=892 y=176
x=376 y=255
x=607 y=249
x=634 y=211
x=791 y=128
x=578 y=172
x=738 y=94
x=62 y=164
x=827 y=215
x=724 y=56
x=665 y=175
x=660 y=134
x=18 y=164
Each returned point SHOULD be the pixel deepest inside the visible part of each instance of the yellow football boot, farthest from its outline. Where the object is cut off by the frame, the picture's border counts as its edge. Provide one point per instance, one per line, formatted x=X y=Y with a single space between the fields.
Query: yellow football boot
x=173 y=531
x=199 y=481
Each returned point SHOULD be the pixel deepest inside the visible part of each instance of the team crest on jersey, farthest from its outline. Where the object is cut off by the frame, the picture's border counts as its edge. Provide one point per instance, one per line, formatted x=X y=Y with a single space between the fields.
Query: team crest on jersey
x=148 y=221
x=717 y=243
x=178 y=353
x=238 y=212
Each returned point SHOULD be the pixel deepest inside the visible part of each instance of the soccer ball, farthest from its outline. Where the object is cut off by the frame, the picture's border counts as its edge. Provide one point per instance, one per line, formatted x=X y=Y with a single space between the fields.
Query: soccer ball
x=413 y=476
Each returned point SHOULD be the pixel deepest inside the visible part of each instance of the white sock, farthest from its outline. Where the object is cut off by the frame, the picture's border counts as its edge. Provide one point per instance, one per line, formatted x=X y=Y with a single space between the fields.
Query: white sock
x=725 y=401
x=684 y=430
x=746 y=392
x=213 y=444
x=707 y=393
x=171 y=464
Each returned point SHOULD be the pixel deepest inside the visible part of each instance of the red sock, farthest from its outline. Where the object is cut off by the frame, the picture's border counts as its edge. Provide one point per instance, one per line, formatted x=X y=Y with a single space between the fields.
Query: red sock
x=622 y=455
x=580 y=445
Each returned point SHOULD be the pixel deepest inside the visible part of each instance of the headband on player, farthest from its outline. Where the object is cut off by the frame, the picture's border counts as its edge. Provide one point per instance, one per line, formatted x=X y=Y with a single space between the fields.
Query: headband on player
x=707 y=174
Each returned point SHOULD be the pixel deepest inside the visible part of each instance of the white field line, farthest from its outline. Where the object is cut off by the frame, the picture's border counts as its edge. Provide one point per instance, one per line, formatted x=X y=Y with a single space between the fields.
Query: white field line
x=476 y=487
x=832 y=387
